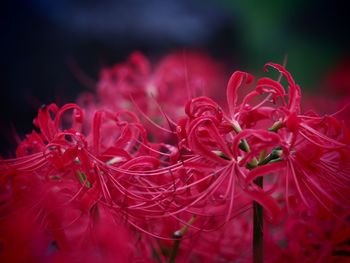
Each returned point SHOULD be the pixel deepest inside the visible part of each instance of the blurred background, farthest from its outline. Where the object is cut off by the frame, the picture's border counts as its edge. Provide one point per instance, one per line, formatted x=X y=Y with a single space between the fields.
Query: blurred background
x=53 y=50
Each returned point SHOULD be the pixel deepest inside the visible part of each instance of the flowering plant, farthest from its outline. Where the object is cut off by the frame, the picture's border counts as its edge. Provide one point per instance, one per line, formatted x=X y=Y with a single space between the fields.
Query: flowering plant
x=148 y=172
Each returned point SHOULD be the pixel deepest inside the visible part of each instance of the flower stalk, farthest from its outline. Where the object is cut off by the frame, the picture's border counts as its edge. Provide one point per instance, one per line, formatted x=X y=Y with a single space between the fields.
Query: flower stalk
x=258 y=225
x=177 y=239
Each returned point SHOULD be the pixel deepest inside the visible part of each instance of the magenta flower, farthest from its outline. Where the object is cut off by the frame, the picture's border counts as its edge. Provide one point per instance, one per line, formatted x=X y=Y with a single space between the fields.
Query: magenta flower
x=312 y=153
x=152 y=93
x=96 y=183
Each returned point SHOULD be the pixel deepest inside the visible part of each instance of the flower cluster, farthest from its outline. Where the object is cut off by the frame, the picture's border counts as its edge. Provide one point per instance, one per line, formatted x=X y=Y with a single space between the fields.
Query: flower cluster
x=151 y=170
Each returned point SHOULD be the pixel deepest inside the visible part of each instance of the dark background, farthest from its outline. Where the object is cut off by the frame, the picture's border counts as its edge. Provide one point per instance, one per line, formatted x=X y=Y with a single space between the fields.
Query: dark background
x=44 y=43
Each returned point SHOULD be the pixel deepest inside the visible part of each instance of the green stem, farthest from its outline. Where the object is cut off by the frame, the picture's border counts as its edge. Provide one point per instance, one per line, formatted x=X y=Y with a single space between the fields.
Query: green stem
x=258 y=213
x=258 y=235
x=174 y=250
x=177 y=239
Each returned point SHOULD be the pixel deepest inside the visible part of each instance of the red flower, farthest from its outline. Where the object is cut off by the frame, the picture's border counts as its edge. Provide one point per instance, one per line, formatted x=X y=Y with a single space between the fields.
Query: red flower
x=157 y=95
x=88 y=172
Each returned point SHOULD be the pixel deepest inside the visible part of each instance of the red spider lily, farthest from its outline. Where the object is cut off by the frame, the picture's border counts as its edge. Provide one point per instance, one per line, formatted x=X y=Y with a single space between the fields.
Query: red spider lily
x=91 y=171
x=226 y=143
x=134 y=85
x=207 y=135
x=313 y=148
x=50 y=228
x=193 y=73
x=82 y=172
x=113 y=166
x=320 y=237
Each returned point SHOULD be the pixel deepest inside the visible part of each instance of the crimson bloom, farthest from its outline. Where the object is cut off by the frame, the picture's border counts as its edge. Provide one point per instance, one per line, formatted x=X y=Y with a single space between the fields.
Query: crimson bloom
x=96 y=178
